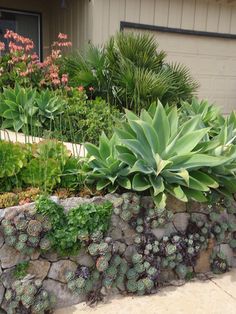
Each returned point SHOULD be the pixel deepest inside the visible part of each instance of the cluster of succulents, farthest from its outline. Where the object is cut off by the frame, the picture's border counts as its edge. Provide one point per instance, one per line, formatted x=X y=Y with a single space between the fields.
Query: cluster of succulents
x=82 y=281
x=130 y=207
x=221 y=227
x=12 y=199
x=219 y=264
x=28 y=296
x=27 y=232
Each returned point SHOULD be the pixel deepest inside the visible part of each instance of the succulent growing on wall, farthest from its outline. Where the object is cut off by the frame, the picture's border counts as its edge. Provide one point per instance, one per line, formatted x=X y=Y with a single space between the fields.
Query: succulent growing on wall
x=27 y=232
x=28 y=296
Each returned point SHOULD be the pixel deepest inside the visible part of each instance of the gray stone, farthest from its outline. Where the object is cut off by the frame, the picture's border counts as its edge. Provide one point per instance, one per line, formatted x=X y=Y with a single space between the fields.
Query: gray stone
x=7 y=277
x=129 y=252
x=166 y=230
x=199 y=216
x=129 y=235
x=39 y=269
x=10 y=257
x=2 y=292
x=55 y=199
x=228 y=252
x=35 y=255
x=1 y=239
x=117 y=222
x=72 y=202
x=115 y=199
x=84 y=259
x=197 y=207
x=59 y=269
x=167 y=275
x=180 y=221
x=50 y=256
x=64 y=297
x=116 y=233
x=175 y=205
x=119 y=247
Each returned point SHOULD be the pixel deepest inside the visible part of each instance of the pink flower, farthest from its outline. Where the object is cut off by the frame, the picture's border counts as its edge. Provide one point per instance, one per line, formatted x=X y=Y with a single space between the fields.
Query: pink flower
x=2 y=46
x=91 y=89
x=80 y=88
x=62 y=36
x=64 y=78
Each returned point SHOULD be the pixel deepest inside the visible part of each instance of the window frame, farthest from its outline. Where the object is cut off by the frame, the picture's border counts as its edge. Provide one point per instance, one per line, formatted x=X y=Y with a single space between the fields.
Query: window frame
x=34 y=13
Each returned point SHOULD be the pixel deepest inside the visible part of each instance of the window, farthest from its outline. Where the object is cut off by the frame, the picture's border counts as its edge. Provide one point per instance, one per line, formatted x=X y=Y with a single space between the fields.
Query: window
x=23 y=23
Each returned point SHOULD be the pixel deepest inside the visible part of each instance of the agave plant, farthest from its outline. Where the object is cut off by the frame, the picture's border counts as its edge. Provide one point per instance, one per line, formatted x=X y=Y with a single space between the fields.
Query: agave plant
x=49 y=105
x=18 y=108
x=104 y=167
x=165 y=156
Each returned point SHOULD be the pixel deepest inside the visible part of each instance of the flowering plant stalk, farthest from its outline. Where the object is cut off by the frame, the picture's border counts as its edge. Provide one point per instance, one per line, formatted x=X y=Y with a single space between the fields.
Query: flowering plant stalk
x=19 y=63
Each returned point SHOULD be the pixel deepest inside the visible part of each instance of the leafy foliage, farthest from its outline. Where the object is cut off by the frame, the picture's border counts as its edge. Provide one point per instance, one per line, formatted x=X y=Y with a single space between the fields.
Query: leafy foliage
x=12 y=158
x=71 y=229
x=21 y=270
x=104 y=167
x=162 y=155
x=130 y=72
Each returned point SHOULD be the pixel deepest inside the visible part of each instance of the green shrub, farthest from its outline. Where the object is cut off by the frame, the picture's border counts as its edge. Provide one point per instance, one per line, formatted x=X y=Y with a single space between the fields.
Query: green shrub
x=71 y=229
x=84 y=119
x=12 y=158
x=130 y=72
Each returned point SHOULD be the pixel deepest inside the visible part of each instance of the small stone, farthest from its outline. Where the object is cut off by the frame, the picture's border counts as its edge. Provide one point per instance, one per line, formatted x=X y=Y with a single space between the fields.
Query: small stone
x=59 y=269
x=10 y=257
x=129 y=252
x=71 y=202
x=203 y=262
x=166 y=231
x=55 y=199
x=35 y=255
x=2 y=292
x=167 y=275
x=64 y=297
x=193 y=206
x=227 y=251
x=51 y=256
x=8 y=277
x=84 y=259
x=129 y=235
x=39 y=269
x=116 y=233
x=180 y=221
x=175 y=205
x=1 y=239
x=119 y=247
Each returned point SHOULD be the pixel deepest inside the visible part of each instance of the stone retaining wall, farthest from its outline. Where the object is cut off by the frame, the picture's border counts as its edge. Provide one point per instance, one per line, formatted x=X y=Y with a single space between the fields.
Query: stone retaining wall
x=173 y=242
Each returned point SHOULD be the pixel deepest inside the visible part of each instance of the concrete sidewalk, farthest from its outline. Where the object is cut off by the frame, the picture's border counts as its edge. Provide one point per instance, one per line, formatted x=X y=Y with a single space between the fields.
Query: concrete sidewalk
x=214 y=296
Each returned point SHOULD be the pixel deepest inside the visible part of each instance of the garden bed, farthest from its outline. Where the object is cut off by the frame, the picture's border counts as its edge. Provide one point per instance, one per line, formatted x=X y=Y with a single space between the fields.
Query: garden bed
x=143 y=249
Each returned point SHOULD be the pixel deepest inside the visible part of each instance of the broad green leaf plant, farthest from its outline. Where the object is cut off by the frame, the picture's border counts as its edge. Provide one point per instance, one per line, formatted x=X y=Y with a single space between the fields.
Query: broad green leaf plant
x=159 y=154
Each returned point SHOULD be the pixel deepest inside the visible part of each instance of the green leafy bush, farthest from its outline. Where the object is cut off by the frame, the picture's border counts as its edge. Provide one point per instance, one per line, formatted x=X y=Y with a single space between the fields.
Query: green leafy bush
x=84 y=119
x=130 y=72
x=71 y=229
x=12 y=158
x=46 y=165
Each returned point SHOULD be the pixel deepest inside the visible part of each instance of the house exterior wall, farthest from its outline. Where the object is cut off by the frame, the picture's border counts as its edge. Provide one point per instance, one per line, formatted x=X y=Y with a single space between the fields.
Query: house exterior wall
x=34 y=6
x=199 y=15
x=71 y=20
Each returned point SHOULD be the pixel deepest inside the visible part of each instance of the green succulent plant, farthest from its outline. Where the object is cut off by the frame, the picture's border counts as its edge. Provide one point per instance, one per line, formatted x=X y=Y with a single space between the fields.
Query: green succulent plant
x=167 y=157
x=18 y=108
x=104 y=167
